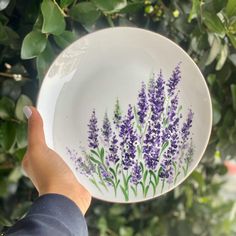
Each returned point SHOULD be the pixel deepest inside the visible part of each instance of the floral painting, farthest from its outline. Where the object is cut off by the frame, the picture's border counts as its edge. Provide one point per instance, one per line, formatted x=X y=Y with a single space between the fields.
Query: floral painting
x=146 y=147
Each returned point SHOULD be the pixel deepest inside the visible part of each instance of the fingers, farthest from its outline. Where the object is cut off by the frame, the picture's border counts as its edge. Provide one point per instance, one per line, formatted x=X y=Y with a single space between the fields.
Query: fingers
x=35 y=127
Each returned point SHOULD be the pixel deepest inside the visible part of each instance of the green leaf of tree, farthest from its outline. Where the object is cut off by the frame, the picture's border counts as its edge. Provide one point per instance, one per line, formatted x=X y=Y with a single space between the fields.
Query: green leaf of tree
x=223 y=56
x=8 y=131
x=66 y=3
x=214 y=51
x=231 y=8
x=65 y=39
x=44 y=60
x=233 y=94
x=194 y=10
x=132 y=8
x=3 y=34
x=6 y=108
x=21 y=102
x=21 y=135
x=53 y=20
x=85 y=12
x=213 y=23
x=232 y=39
x=110 y=6
x=33 y=44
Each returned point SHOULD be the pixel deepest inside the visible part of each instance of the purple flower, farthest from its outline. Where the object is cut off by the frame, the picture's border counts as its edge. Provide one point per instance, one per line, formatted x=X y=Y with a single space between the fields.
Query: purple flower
x=113 y=151
x=167 y=170
x=136 y=174
x=93 y=131
x=105 y=174
x=151 y=145
x=84 y=167
x=106 y=129
x=117 y=115
x=174 y=80
x=156 y=96
x=142 y=104
x=185 y=131
x=189 y=155
x=129 y=138
x=172 y=109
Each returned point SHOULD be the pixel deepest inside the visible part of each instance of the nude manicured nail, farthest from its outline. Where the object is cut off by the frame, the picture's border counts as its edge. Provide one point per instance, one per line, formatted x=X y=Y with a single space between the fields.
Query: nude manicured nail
x=27 y=111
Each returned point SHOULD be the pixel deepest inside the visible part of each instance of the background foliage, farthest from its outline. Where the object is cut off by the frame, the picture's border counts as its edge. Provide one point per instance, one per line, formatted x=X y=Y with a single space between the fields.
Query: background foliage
x=32 y=33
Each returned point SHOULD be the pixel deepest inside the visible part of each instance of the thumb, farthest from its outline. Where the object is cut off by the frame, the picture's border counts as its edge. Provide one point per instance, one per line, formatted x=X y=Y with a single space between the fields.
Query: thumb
x=35 y=127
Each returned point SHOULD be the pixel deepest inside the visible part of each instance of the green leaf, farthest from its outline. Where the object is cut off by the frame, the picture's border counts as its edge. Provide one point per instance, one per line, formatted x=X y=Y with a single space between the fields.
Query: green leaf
x=33 y=44
x=126 y=231
x=194 y=10
x=4 y=221
x=66 y=3
x=215 y=46
x=102 y=152
x=198 y=177
x=8 y=131
x=15 y=175
x=65 y=39
x=232 y=58
x=4 y=4
x=38 y=23
x=19 y=154
x=21 y=135
x=223 y=56
x=213 y=23
x=216 y=112
x=3 y=34
x=132 y=8
x=94 y=160
x=232 y=39
x=231 y=8
x=21 y=102
x=44 y=60
x=110 y=6
x=53 y=20
x=233 y=94
x=6 y=108
x=85 y=12
x=145 y=176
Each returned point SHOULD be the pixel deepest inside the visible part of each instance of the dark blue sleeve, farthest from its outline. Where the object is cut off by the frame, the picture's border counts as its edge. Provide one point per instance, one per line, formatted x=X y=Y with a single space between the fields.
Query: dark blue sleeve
x=51 y=214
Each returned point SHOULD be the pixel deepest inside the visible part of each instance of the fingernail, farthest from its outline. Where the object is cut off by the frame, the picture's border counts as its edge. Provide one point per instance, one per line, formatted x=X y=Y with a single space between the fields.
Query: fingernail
x=27 y=111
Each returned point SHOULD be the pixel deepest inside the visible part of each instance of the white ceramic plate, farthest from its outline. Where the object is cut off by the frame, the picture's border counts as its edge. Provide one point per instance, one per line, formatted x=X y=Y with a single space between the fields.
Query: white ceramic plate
x=129 y=112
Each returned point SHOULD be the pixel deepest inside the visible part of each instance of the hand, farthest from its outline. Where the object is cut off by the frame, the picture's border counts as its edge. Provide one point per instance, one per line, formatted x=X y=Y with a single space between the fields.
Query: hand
x=46 y=169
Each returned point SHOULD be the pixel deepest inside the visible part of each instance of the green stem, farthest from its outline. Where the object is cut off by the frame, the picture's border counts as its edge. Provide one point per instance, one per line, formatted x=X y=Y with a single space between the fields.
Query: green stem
x=110 y=21
x=102 y=181
x=162 y=186
x=95 y=183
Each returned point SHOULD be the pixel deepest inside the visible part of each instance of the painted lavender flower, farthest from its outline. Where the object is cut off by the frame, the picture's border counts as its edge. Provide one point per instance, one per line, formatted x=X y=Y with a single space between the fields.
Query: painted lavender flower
x=128 y=137
x=113 y=151
x=117 y=114
x=136 y=174
x=93 y=131
x=185 y=131
x=142 y=104
x=149 y=145
x=174 y=80
x=157 y=96
x=106 y=129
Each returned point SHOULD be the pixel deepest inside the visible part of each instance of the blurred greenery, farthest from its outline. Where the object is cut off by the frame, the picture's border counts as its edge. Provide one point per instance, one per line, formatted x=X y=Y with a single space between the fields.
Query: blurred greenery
x=32 y=33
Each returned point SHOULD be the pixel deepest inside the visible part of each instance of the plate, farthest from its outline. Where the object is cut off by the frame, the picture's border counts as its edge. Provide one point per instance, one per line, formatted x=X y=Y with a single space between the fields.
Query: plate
x=129 y=112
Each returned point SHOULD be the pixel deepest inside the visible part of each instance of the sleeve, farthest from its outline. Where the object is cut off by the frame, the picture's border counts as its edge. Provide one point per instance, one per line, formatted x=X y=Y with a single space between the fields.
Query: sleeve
x=51 y=214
